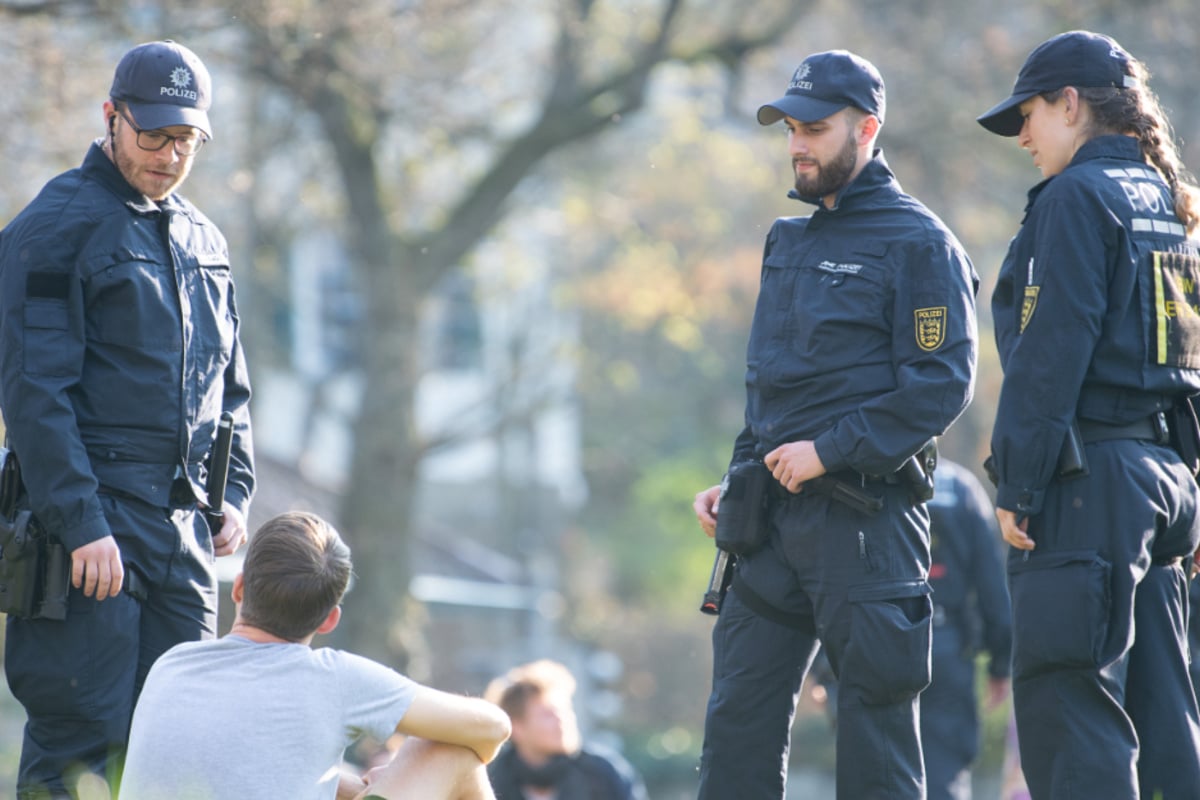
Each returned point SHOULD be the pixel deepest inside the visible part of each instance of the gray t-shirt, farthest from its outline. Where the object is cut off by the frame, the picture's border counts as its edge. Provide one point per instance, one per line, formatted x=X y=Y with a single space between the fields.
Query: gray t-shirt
x=231 y=718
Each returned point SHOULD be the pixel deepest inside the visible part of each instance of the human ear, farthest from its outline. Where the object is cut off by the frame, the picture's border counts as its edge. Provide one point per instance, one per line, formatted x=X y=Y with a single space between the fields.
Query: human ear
x=331 y=620
x=870 y=128
x=1070 y=98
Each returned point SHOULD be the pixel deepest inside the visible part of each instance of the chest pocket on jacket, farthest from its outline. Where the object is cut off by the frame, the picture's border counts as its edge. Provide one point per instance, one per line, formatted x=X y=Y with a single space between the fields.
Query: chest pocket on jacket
x=133 y=302
x=210 y=286
x=843 y=305
x=1175 y=338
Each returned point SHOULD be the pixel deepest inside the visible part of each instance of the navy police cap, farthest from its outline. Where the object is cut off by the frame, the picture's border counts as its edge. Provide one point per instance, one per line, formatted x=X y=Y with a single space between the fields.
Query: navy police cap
x=164 y=84
x=1077 y=58
x=824 y=84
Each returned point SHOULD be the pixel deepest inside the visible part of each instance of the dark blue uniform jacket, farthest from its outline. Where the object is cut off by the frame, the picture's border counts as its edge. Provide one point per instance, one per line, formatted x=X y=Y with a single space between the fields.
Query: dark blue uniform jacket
x=864 y=335
x=118 y=348
x=587 y=775
x=1094 y=312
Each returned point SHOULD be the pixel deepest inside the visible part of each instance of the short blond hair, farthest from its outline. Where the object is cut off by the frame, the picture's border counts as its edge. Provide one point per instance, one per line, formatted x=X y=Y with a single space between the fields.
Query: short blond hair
x=514 y=689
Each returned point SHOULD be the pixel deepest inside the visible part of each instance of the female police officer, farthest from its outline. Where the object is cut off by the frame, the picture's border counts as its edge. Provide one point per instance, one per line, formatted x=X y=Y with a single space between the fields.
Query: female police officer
x=1100 y=343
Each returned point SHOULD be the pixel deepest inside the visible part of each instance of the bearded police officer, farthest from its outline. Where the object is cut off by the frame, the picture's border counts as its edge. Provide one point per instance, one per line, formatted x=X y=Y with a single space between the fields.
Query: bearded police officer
x=119 y=352
x=862 y=349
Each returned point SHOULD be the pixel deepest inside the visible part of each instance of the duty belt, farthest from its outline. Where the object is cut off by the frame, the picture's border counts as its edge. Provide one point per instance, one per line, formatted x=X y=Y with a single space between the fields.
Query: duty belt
x=1152 y=429
x=849 y=488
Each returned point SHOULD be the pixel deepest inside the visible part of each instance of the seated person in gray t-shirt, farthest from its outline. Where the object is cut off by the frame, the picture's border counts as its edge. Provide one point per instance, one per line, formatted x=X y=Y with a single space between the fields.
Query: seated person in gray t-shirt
x=261 y=713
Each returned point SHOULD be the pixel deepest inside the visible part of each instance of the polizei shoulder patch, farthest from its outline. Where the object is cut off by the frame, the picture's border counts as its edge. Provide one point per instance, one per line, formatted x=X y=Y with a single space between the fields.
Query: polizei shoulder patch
x=1028 y=305
x=930 y=326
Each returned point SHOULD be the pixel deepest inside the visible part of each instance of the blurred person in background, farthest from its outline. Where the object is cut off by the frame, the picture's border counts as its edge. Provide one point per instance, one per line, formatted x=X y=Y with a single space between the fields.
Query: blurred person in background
x=119 y=352
x=1194 y=632
x=1012 y=780
x=545 y=758
x=970 y=613
x=1096 y=446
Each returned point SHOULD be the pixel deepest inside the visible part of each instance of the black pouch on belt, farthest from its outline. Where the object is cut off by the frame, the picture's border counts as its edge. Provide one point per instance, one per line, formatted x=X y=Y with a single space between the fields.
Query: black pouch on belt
x=742 y=511
x=1185 y=433
x=20 y=565
x=1072 y=459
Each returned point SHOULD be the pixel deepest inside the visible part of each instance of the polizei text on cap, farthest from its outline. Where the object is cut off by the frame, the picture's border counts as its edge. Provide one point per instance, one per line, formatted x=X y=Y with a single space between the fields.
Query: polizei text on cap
x=171 y=91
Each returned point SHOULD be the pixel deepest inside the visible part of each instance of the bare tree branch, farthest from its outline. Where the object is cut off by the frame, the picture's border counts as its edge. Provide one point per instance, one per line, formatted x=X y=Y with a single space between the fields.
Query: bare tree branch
x=37 y=8
x=573 y=112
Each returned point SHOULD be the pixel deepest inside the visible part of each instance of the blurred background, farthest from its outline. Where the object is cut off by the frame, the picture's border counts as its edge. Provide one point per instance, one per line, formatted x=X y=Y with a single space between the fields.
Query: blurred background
x=496 y=261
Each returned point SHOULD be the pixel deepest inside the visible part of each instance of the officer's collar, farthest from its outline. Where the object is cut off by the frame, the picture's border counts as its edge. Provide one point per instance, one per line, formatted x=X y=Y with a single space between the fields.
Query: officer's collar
x=1108 y=146
x=102 y=169
x=1117 y=146
x=874 y=174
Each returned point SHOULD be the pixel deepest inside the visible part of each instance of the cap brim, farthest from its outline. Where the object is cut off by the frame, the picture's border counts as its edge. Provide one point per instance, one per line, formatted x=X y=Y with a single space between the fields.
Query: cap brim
x=1005 y=118
x=152 y=116
x=798 y=107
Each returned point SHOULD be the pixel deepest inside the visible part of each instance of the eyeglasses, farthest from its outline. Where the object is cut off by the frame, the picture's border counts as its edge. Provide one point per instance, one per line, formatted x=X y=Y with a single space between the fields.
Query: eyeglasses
x=187 y=144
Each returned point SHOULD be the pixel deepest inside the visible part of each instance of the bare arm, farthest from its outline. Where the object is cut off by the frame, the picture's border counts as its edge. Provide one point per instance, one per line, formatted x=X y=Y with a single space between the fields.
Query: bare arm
x=453 y=719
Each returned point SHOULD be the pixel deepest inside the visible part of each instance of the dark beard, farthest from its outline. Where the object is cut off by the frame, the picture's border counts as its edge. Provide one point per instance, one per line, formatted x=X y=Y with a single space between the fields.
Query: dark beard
x=833 y=176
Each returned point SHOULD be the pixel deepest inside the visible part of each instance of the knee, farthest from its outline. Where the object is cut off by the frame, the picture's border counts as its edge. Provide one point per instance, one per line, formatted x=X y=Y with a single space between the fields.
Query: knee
x=439 y=753
x=421 y=763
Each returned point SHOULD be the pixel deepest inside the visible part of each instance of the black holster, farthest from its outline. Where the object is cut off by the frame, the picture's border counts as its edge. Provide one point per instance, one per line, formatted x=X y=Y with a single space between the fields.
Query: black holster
x=1184 y=431
x=18 y=565
x=846 y=492
x=1072 y=459
x=34 y=569
x=742 y=509
x=917 y=472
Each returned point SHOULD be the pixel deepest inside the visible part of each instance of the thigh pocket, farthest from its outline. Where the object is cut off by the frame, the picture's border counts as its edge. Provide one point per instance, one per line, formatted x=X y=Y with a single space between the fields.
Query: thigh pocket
x=1061 y=605
x=76 y=667
x=887 y=658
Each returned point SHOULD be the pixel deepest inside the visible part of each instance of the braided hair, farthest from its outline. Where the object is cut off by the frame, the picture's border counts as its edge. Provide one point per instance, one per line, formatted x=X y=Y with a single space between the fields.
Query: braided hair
x=1136 y=110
